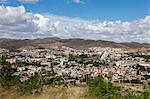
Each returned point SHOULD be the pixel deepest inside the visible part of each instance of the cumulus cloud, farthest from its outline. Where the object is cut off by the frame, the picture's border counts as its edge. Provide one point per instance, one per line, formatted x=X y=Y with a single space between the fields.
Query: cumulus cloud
x=34 y=1
x=23 y=1
x=137 y=30
x=77 y=1
x=28 y=1
x=15 y=22
x=3 y=1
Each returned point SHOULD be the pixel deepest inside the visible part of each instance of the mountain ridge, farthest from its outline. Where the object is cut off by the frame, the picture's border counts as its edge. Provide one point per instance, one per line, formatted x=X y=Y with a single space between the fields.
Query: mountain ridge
x=76 y=43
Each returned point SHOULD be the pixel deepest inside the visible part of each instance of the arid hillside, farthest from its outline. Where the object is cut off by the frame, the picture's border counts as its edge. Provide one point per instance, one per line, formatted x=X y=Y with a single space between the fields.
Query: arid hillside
x=74 y=43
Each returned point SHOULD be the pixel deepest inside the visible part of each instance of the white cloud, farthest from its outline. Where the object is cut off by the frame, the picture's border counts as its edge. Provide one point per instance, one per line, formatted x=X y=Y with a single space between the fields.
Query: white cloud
x=108 y=30
x=3 y=1
x=77 y=1
x=28 y=1
x=15 y=22
x=34 y=1
x=23 y=1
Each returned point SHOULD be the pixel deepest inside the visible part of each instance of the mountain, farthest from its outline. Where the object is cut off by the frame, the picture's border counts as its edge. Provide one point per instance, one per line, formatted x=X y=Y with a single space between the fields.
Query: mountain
x=12 y=44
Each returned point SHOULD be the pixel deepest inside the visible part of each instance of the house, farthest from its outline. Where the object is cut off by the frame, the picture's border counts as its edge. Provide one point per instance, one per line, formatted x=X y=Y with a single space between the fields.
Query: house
x=11 y=60
x=126 y=63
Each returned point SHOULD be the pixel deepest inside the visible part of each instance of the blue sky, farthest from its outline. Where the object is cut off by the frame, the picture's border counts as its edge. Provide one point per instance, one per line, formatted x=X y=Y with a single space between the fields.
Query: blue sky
x=127 y=10
x=112 y=20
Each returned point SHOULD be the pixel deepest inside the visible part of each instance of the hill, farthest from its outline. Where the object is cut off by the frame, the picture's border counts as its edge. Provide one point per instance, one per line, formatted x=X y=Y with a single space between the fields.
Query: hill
x=12 y=44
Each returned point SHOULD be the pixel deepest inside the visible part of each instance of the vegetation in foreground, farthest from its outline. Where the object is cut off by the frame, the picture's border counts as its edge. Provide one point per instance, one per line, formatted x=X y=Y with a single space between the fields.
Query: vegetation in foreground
x=102 y=89
x=97 y=88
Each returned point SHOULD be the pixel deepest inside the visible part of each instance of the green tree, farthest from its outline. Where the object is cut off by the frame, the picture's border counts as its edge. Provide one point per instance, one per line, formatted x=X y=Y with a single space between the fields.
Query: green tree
x=29 y=85
x=3 y=59
x=101 y=88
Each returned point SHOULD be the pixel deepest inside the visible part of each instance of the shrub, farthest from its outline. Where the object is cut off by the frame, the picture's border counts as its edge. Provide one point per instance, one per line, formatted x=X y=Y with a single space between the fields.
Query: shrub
x=100 y=88
x=30 y=84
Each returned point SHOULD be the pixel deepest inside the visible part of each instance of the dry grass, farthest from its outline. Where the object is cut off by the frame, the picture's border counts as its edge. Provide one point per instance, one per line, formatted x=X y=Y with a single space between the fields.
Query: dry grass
x=49 y=93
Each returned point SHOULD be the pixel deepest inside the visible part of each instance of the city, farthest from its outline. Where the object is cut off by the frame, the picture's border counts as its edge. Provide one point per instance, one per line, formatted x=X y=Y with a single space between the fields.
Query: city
x=114 y=64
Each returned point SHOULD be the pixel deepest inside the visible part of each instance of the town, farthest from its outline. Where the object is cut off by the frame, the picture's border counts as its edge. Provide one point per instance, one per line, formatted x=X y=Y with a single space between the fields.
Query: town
x=77 y=66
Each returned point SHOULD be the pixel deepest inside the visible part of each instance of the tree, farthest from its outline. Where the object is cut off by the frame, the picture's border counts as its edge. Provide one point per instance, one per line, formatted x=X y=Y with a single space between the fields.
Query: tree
x=101 y=88
x=3 y=59
x=30 y=84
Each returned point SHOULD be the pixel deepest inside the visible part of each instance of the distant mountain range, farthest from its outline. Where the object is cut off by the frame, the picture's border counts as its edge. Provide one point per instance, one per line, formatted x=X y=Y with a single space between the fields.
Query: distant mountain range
x=12 y=44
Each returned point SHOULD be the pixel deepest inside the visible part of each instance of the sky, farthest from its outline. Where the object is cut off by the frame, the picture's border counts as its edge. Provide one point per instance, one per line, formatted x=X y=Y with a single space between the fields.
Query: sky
x=113 y=20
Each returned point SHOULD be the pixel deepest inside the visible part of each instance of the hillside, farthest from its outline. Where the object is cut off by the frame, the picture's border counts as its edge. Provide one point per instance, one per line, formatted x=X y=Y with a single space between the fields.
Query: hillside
x=48 y=93
x=12 y=44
